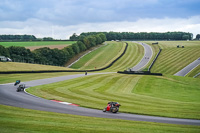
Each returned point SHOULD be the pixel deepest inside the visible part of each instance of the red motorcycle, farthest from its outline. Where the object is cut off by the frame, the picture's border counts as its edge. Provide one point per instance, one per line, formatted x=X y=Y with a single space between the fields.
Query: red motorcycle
x=112 y=107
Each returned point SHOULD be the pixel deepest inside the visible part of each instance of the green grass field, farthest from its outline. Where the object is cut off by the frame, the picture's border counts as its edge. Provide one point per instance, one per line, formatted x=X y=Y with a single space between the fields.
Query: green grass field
x=173 y=59
x=21 y=120
x=194 y=72
x=133 y=55
x=101 y=57
x=160 y=96
x=168 y=95
x=36 y=43
x=173 y=44
x=111 y=51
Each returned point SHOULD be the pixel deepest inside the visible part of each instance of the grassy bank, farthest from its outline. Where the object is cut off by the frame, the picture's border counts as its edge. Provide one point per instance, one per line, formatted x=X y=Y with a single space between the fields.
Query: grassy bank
x=16 y=66
x=105 y=55
x=20 y=120
x=170 y=96
x=133 y=55
x=101 y=57
x=173 y=59
x=194 y=72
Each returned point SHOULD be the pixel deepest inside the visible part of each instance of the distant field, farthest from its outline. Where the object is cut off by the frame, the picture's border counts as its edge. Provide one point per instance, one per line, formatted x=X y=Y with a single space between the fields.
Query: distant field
x=36 y=43
x=173 y=44
x=161 y=96
x=101 y=57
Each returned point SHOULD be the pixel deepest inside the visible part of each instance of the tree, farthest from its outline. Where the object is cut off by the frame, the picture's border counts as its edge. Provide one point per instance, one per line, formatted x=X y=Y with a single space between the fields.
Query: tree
x=198 y=37
x=47 y=39
x=4 y=51
x=81 y=45
x=75 y=48
x=103 y=37
x=185 y=37
x=70 y=51
x=20 y=54
x=43 y=56
x=74 y=37
x=98 y=39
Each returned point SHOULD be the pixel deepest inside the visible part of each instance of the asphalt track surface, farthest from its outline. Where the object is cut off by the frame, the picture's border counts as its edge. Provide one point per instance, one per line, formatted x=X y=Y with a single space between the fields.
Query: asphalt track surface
x=188 y=68
x=9 y=96
x=146 y=58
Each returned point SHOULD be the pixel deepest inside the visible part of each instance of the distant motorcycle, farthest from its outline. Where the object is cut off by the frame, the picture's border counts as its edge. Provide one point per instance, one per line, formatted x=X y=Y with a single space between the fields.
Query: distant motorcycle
x=112 y=107
x=21 y=87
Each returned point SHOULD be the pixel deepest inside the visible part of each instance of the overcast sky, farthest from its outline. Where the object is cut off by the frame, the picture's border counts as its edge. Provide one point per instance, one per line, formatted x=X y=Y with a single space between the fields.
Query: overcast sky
x=61 y=18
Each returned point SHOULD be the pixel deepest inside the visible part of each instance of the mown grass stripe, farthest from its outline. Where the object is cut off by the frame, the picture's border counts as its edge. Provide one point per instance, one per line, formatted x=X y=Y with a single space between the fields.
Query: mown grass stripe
x=173 y=60
x=132 y=56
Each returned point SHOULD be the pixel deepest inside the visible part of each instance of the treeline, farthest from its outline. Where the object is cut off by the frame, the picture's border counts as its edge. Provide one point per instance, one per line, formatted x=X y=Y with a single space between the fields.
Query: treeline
x=140 y=35
x=52 y=56
x=23 y=38
x=17 y=37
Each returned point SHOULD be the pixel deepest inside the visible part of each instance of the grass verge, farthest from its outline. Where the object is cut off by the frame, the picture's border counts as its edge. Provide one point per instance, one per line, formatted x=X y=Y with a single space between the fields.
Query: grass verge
x=194 y=72
x=20 y=120
x=17 y=66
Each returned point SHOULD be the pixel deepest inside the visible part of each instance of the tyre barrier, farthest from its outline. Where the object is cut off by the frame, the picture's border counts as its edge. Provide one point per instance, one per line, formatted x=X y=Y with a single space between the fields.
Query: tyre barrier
x=51 y=71
x=154 y=60
x=140 y=73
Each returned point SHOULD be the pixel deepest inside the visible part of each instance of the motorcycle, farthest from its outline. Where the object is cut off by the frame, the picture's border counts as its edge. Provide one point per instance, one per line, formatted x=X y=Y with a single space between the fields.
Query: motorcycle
x=112 y=107
x=21 y=87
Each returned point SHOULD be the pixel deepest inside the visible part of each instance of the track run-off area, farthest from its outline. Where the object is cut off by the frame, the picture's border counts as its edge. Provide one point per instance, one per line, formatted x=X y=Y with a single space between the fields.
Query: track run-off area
x=9 y=96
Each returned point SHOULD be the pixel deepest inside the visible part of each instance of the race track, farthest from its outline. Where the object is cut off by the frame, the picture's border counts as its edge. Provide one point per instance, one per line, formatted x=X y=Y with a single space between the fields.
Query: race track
x=9 y=96
x=188 y=68
x=146 y=58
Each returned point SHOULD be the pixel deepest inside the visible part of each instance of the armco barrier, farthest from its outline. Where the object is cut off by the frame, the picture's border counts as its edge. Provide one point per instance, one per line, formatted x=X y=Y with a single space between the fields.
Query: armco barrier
x=154 y=60
x=140 y=73
x=51 y=71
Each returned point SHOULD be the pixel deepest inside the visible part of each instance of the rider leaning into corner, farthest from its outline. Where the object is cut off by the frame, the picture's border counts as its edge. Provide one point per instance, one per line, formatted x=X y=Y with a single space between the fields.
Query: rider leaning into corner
x=20 y=86
x=112 y=107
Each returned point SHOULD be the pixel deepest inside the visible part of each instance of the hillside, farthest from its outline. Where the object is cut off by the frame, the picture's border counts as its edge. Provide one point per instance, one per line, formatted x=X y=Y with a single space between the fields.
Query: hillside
x=173 y=59
x=100 y=57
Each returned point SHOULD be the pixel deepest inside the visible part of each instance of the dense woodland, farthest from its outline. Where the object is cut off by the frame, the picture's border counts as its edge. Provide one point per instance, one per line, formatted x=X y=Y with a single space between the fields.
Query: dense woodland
x=139 y=36
x=52 y=56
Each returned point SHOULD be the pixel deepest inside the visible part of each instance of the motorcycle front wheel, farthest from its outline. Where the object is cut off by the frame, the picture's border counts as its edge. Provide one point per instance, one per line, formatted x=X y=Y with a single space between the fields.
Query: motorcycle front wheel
x=115 y=110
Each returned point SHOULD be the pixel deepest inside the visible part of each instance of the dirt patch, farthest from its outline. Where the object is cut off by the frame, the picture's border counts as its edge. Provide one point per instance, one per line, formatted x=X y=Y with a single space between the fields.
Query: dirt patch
x=49 y=46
